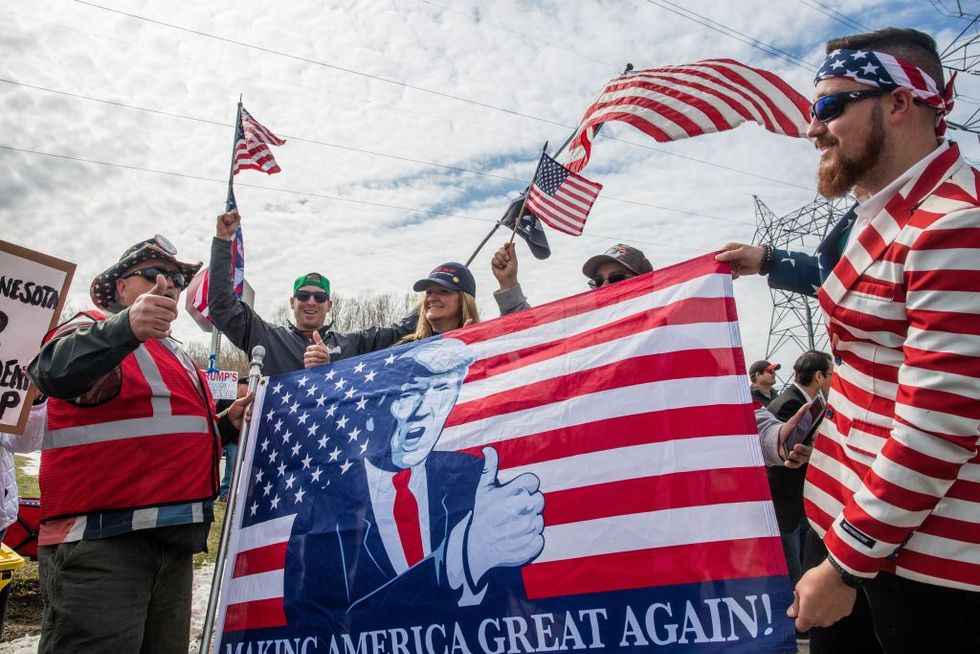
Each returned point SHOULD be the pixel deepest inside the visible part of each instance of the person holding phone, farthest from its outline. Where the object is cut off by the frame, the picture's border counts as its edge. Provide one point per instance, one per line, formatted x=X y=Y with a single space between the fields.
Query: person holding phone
x=812 y=373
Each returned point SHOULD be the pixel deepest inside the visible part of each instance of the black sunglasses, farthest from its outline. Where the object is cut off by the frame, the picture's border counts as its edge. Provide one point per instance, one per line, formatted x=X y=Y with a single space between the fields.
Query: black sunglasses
x=831 y=106
x=614 y=278
x=150 y=274
x=319 y=296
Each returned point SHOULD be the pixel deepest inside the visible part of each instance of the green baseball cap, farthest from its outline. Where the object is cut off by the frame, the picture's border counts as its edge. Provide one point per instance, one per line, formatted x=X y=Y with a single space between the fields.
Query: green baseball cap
x=312 y=279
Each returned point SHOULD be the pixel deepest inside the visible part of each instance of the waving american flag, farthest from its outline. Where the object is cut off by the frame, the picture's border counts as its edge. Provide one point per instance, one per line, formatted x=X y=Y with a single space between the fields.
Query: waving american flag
x=677 y=102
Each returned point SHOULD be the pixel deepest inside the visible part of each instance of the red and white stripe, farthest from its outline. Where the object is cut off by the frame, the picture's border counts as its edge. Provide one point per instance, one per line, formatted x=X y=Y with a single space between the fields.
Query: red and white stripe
x=252 y=147
x=898 y=459
x=630 y=405
x=676 y=102
x=201 y=294
x=254 y=590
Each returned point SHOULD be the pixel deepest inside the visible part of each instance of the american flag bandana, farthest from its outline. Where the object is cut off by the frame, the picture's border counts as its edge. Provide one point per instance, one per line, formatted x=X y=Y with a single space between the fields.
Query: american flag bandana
x=890 y=72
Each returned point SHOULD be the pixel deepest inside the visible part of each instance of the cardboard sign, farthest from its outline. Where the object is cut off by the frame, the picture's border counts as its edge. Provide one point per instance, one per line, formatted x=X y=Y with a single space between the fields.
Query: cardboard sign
x=223 y=384
x=33 y=287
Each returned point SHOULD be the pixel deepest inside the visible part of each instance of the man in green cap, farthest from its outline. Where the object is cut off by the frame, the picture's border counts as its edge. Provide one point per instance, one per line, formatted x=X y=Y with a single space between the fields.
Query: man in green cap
x=285 y=347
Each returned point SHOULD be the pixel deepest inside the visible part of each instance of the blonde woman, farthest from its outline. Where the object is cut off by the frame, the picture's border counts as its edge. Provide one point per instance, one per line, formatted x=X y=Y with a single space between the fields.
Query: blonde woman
x=447 y=302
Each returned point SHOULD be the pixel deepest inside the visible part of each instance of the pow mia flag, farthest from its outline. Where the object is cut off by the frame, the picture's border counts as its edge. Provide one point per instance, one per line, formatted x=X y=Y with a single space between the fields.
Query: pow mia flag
x=530 y=229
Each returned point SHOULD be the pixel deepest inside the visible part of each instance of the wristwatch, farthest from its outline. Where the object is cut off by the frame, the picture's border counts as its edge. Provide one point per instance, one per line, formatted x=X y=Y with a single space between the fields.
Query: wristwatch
x=850 y=580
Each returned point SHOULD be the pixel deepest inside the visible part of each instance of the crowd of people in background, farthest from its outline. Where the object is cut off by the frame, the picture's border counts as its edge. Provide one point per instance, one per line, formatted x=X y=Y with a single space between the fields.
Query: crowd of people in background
x=879 y=516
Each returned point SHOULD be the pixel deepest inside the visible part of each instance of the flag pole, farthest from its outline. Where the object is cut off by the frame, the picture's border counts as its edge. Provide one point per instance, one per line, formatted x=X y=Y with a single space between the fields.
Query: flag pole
x=517 y=220
x=496 y=226
x=220 y=561
x=215 y=334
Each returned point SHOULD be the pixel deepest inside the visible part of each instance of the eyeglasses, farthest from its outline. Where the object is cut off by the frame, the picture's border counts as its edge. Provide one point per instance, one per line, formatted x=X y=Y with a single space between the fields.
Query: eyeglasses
x=319 y=296
x=831 y=106
x=150 y=274
x=614 y=278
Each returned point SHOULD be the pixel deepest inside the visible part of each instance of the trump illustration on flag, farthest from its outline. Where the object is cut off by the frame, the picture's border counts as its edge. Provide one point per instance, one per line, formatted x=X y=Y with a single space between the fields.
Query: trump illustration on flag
x=586 y=474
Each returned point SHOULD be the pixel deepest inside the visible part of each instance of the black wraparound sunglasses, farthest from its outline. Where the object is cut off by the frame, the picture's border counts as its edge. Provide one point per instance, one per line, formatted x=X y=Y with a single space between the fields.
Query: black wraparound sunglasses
x=831 y=106
x=596 y=282
x=150 y=274
x=319 y=296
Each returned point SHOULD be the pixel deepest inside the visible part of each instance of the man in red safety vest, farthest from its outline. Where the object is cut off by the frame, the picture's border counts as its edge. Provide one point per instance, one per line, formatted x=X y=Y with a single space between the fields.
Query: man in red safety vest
x=129 y=466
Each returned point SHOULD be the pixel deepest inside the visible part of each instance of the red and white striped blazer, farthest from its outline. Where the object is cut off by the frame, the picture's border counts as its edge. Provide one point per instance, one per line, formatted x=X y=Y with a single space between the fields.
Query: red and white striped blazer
x=894 y=481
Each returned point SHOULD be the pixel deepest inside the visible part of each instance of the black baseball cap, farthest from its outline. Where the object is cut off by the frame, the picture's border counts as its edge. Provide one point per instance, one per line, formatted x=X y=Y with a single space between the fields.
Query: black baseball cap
x=760 y=367
x=451 y=275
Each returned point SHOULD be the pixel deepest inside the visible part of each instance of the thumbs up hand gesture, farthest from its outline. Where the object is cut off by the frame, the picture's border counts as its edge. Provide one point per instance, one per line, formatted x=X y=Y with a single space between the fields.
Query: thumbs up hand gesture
x=316 y=354
x=506 y=526
x=152 y=312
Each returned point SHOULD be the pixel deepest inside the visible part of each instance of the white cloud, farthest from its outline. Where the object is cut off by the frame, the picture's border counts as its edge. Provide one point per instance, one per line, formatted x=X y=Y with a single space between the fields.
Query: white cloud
x=541 y=59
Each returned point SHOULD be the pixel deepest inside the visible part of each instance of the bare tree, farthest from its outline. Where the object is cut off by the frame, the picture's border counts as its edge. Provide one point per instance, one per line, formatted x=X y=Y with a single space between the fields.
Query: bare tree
x=230 y=358
x=356 y=312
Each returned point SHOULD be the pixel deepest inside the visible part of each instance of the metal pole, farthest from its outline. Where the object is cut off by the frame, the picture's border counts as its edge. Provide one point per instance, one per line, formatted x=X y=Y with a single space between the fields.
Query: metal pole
x=215 y=334
x=215 y=349
x=517 y=220
x=809 y=325
x=496 y=226
x=254 y=374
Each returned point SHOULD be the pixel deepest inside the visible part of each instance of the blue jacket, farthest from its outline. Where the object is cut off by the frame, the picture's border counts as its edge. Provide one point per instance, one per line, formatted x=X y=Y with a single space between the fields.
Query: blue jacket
x=804 y=273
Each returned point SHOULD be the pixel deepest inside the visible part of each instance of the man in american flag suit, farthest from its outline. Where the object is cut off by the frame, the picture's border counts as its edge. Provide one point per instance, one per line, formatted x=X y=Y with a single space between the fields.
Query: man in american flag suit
x=893 y=487
x=407 y=519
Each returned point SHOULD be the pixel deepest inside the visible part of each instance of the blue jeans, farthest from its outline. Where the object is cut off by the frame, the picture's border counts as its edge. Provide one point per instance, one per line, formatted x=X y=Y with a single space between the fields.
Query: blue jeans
x=792 y=549
x=230 y=451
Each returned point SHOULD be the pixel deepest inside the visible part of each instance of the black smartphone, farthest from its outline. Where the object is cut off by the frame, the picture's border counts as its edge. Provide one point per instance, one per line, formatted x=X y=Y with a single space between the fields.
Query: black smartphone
x=808 y=425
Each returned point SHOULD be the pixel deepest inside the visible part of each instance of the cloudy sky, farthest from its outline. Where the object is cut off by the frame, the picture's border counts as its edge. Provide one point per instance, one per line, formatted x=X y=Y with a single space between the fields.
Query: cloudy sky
x=409 y=125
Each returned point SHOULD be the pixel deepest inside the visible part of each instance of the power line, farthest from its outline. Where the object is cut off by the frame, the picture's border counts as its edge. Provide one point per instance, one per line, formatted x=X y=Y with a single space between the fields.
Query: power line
x=525 y=37
x=832 y=13
x=324 y=64
x=521 y=182
x=731 y=33
x=325 y=196
x=438 y=93
x=253 y=75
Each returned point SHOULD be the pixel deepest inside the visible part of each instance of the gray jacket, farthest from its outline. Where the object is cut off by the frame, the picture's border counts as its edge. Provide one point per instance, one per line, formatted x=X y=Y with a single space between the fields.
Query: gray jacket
x=511 y=300
x=284 y=346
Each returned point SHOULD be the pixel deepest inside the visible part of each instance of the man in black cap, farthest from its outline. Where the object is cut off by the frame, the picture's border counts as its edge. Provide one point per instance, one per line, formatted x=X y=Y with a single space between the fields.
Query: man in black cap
x=616 y=264
x=762 y=376
x=286 y=348
x=129 y=464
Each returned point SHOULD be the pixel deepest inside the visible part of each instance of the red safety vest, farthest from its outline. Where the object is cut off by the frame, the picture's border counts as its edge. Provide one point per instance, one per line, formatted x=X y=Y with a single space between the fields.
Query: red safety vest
x=154 y=443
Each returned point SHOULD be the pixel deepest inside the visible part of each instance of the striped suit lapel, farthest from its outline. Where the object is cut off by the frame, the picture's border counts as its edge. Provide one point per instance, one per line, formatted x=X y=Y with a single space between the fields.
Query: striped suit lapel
x=884 y=228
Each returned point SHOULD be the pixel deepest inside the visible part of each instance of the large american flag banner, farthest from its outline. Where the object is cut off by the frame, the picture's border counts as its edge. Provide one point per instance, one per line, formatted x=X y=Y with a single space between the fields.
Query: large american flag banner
x=252 y=145
x=677 y=102
x=560 y=198
x=628 y=405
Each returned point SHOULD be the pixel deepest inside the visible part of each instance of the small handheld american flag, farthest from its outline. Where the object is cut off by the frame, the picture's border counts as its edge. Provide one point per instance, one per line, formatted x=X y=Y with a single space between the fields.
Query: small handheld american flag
x=561 y=198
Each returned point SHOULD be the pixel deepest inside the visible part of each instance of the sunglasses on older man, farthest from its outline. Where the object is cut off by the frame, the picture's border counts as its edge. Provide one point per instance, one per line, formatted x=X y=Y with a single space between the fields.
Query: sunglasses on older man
x=318 y=296
x=150 y=274
x=831 y=106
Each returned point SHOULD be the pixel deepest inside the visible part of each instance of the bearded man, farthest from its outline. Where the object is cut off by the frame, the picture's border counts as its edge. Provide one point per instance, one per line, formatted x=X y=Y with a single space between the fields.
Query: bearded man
x=893 y=488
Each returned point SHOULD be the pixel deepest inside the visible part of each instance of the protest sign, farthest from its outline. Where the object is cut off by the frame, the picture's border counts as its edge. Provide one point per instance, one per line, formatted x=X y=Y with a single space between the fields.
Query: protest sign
x=33 y=287
x=223 y=384
x=586 y=474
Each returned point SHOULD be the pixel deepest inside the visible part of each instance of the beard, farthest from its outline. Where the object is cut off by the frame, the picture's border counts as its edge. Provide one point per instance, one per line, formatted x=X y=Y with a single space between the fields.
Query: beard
x=840 y=172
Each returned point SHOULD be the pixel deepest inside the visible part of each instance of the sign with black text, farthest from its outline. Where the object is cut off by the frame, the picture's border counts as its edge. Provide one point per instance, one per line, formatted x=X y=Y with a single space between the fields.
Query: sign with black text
x=223 y=384
x=32 y=292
